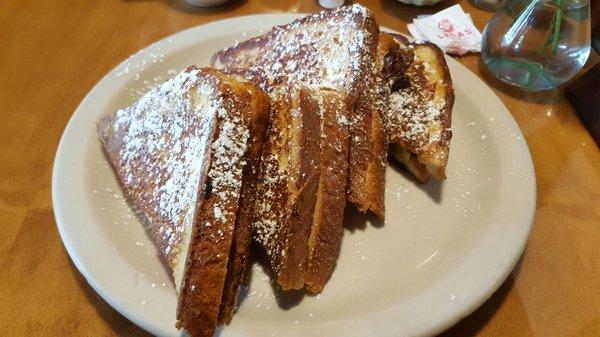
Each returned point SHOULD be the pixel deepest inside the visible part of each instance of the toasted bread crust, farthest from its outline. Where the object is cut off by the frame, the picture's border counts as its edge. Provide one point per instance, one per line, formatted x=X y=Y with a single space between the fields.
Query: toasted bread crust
x=257 y=117
x=366 y=185
x=286 y=192
x=300 y=52
x=201 y=293
x=435 y=157
x=326 y=232
x=388 y=66
x=294 y=256
x=336 y=50
x=206 y=282
x=375 y=178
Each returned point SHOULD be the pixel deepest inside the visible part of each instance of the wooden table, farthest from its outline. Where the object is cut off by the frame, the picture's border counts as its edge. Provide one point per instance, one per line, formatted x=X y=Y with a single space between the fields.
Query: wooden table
x=53 y=51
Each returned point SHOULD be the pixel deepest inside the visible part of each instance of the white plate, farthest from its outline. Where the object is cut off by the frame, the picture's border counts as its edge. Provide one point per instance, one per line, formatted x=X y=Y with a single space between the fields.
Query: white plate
x=444 y=249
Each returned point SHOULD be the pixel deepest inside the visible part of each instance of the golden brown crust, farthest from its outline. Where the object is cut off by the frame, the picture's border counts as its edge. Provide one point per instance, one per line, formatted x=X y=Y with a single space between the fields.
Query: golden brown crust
x=293 y=260
x=144 y=145
x=435 y=158
x=257 y=116
x=333 y=49
x=325 y=49
x=366 y=176
x=206 y=269
x=375 y=181
x=388 y=65
x=326 y=232
x=136 y=179
x=206 y=282
x=289 y=176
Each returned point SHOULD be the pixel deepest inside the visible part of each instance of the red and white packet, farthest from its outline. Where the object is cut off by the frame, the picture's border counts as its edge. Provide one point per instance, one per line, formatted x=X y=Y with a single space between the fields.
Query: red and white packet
x=451 y=29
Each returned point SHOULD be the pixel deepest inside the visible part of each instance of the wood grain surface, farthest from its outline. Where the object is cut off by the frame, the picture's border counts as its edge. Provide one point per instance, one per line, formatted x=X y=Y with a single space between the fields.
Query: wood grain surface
x=53 y=51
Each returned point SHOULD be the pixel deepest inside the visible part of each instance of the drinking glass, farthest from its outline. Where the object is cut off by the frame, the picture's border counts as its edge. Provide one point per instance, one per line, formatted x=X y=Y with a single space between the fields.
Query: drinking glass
x=537 y=44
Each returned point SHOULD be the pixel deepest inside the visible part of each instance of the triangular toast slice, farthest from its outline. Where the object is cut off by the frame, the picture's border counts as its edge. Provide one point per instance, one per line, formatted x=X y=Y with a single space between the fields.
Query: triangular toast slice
x=326 y=231
x=334 y=49
x=420 y=112
x=322 y=120
x=258 y=104
x=183 y=156
x=388 y=66
x=289 y=177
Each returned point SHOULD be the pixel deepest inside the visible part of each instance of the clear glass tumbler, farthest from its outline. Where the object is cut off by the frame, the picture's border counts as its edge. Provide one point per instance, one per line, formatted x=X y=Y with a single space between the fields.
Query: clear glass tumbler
x=537 y=44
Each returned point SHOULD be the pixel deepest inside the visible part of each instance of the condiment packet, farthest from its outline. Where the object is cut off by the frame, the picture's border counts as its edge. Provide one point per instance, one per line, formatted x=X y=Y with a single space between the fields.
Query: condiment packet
x=451 y=29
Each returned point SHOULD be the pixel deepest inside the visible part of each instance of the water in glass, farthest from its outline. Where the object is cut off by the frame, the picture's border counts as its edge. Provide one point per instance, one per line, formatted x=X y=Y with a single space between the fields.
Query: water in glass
x=537 y=44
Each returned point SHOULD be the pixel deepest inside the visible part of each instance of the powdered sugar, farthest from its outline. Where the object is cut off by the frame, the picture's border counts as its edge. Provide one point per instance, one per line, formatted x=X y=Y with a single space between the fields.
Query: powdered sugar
x=413 y=116
x=226 y=168
x=162 y=147
x=416 y=114
x=324 y=49
x=328 y=49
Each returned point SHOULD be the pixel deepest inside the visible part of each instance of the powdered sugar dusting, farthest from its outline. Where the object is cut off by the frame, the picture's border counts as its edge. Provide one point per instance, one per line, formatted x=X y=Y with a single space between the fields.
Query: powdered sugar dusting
x=226 y=168
x=270 y=209
x=413 y=115
x=328 y=49
x=161 y=147
x=324 y=50
x=417 y=118
x=163 y=142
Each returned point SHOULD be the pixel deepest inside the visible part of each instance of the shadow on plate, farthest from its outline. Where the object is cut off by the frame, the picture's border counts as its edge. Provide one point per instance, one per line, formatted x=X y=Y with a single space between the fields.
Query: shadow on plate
x=474 y=323
x=285 y=299
x=355 y=220
x=182 y=6
x=432 y=187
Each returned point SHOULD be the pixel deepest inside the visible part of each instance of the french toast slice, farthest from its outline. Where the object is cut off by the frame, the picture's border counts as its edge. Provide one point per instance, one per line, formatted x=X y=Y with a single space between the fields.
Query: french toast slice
x=334 y=49
x=326 y=231
x=258 y=103
x=420 y=111
x=287 y=188
x=389 y=66
x=182 y=155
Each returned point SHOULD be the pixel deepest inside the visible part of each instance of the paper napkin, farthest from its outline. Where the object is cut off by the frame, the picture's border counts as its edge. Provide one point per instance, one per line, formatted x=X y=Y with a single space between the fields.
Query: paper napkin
x=451 y=29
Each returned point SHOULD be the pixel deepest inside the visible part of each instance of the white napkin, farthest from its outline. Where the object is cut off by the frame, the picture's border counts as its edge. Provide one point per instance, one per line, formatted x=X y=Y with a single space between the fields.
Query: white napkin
x=451 y=29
